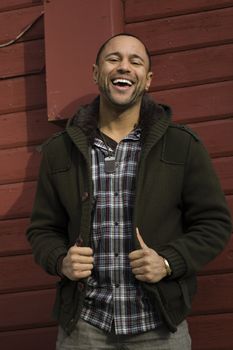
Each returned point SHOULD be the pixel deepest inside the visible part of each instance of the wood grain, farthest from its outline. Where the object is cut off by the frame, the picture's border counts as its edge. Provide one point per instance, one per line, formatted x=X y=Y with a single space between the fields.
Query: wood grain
x=23 y=273
x=22 y=59
x=212 y=332
x=16 y=200
x=192 y=67
x=26 y=309
x=12 y=237
x=210 y=287
x=198 y=103
x=16 y=4
x=36 y=339
x=26 y=128
x=12 y=23
x=192 y=49
x=217 y=136
x=142 y=10
x=185 y=32
x=24 y=93
x=223 y=263
x=20 y=164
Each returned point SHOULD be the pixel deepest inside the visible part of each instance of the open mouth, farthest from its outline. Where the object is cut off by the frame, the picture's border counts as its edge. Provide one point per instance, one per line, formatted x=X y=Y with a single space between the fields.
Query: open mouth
x=122 y=82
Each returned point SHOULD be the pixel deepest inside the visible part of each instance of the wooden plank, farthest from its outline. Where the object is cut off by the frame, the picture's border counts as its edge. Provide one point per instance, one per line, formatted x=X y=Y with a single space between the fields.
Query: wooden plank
x=12 y=237
x=223 y=263
x=31 y=127
x=26 y=309
x=20 y=164
x=202 y=102
x=7 y=5
x=185 y=32
x=16 y=200
x=141 y=10
x=224 y=169
x=22 y=94
x=192 y=67
x=21 y=59
x=19 y=20
x=212 y=332
x=217 y=136
x=22 y=273
x=207 y=300
x=36 y=339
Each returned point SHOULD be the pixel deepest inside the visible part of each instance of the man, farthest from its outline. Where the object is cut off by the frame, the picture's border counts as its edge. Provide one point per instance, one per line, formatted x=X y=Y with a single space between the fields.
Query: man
x=127 y=210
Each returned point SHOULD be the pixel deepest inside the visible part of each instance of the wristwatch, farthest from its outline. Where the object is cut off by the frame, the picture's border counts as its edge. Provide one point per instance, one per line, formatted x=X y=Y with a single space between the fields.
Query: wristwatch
x=167 y=267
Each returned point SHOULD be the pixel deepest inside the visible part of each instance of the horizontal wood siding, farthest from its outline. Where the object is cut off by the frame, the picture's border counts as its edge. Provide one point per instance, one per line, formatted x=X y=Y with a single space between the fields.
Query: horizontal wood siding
x=33 y=338
x=191 y=43
x=26 y=292
x=192 y=49
x=213 y=332
x=141 y=10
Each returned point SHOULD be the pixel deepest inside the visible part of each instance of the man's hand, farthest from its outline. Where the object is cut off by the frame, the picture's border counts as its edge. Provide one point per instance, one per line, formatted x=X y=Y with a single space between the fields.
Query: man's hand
x=146 y=264
x=78 y=263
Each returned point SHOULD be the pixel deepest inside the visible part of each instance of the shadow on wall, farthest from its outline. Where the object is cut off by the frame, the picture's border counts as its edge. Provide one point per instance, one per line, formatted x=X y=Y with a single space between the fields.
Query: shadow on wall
x=27 y=291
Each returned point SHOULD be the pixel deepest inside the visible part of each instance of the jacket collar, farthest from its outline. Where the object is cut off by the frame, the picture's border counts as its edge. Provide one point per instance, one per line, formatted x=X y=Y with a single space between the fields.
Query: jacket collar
x=154 y=120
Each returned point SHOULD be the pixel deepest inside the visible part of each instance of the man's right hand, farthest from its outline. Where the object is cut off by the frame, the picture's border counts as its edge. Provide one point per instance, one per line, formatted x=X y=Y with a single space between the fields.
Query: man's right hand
x=78 y=263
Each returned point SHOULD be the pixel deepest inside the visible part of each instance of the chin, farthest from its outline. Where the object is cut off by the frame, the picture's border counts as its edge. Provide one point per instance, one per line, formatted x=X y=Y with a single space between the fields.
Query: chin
x=121 y=103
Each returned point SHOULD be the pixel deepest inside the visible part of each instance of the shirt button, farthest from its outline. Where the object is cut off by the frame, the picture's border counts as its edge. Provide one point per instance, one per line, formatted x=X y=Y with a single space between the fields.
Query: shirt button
x=116 y=223
x=117 y=285
x=116 y=255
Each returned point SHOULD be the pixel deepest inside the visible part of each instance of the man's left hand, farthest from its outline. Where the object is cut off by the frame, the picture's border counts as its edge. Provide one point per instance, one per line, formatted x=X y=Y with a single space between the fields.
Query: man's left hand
x=147 y=265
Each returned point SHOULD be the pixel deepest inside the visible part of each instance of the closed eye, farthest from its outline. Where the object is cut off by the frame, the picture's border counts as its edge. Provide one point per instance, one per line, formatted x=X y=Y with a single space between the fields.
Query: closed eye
x=137 y=63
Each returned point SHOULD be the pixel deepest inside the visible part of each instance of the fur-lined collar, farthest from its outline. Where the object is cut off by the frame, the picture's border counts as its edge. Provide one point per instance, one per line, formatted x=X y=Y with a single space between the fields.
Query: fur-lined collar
x=86 y=118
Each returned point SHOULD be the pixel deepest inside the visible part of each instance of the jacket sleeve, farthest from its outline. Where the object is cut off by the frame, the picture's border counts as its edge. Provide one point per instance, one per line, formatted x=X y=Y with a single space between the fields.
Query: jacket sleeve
x=47 y=232
x=206 y=217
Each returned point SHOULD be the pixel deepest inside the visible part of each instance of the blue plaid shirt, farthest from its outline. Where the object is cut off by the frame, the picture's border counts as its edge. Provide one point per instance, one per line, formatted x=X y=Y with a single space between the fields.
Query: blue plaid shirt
x=114 y=297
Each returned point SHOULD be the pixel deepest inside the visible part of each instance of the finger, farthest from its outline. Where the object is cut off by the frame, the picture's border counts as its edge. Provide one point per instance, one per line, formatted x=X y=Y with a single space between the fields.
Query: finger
x=82 y=267
x=141 y=278
x=136 y=254
x=82 y=259
x=138 y=271
x=139 y=237
x=86 y=251
x=77 y=275
x=136 y=263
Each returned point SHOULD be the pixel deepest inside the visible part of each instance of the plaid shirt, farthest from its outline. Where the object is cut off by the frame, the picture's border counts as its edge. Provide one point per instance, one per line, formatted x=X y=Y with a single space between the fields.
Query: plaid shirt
x=114 y=297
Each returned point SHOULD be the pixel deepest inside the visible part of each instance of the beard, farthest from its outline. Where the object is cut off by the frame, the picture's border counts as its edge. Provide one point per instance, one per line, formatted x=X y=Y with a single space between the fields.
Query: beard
x=121 y=102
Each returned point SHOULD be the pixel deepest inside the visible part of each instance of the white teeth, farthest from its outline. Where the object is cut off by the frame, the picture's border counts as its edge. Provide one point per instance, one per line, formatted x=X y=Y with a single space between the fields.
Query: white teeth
x=122 y=81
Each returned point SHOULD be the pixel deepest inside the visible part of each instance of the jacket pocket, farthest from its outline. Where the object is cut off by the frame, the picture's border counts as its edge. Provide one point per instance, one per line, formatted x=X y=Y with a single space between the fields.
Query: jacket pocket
x=177 y=295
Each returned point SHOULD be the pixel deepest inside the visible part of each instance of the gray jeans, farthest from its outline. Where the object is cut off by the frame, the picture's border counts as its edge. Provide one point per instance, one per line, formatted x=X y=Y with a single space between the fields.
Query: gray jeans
x=88 y=337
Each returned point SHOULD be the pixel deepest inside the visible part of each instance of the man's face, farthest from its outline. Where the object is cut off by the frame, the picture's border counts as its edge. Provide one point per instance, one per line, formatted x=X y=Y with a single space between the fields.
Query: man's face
x=123 y=72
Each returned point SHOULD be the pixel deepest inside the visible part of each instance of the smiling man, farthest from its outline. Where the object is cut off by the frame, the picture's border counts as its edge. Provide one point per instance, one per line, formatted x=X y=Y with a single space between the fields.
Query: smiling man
x=123 y=73
x=128 y=209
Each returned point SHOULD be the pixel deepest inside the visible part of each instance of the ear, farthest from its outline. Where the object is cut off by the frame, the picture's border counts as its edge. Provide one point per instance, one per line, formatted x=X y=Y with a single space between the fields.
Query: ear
x=95 y=71
x=148 y=80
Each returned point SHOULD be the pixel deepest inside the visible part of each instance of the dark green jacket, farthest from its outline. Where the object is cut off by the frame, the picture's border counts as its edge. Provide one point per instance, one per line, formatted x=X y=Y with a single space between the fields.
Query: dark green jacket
x=180 y=209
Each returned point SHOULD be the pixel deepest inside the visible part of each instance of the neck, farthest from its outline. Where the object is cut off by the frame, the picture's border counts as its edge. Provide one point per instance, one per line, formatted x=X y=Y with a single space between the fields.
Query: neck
x=118 y=123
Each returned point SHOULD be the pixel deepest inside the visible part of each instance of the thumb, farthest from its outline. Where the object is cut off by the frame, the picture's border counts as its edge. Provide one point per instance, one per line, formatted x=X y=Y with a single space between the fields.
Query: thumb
x=139 y=237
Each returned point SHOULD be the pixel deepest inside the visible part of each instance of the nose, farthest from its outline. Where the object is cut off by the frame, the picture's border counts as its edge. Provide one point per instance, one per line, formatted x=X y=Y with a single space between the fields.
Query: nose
x=124 y=66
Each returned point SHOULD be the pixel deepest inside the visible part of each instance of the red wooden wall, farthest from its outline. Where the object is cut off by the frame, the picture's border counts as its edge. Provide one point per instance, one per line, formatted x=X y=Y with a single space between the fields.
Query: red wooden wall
x=26 y=292
x=192 y=47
